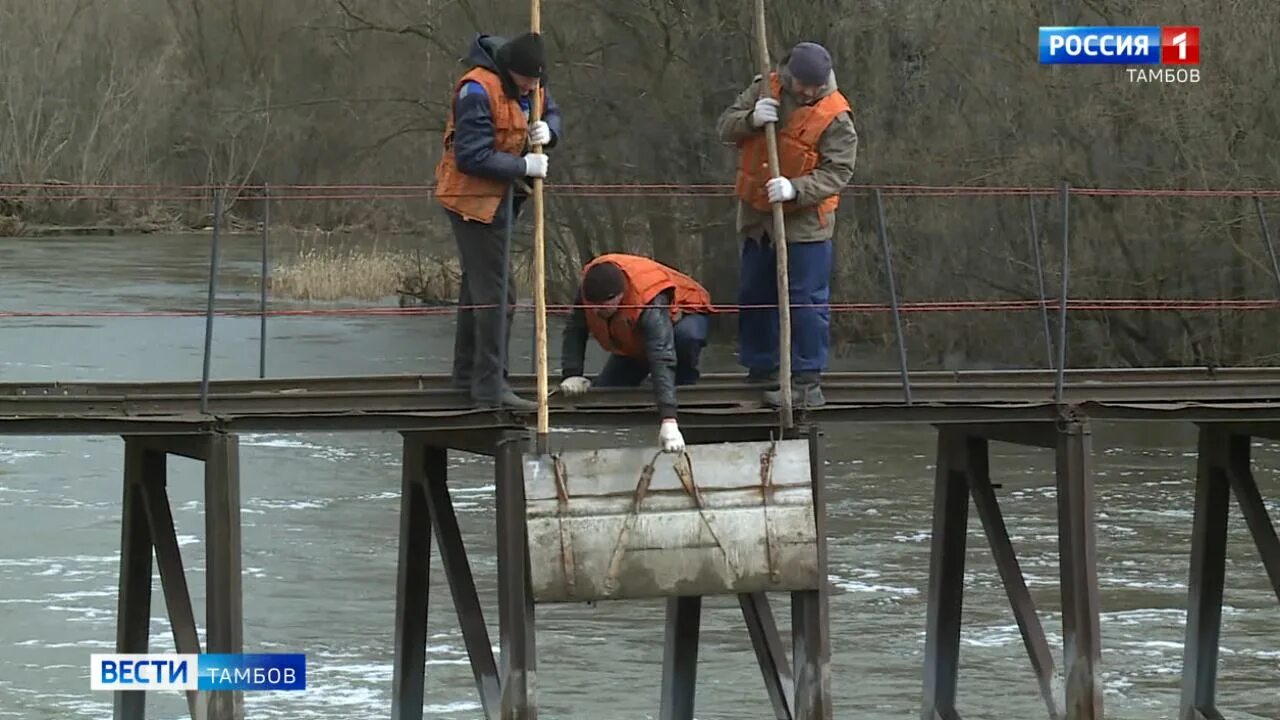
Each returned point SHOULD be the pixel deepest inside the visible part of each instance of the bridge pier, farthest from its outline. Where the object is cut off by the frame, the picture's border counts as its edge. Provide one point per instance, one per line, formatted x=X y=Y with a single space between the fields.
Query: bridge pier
x=1078 y=571
x=426 y=509
x=804 y=694
x=147 y=525
x=680 y=657
x=963 y=472
x=516 y=626
x=508 y=689
x=1223 y=467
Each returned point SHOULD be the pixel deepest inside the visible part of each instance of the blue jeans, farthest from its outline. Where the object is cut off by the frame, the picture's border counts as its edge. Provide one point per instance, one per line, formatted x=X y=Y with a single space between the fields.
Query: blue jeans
x=690 y=338
x=809 y=280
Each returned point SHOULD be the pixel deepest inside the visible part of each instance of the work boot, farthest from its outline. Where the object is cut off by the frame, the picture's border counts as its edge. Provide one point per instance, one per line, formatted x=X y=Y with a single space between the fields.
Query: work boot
x=768 y=378
x=508 y=400
x=511 y=401
x=806 y=392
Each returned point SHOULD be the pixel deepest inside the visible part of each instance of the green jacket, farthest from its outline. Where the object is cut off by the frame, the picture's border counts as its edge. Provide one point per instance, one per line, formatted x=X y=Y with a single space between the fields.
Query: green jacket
x=838 y=147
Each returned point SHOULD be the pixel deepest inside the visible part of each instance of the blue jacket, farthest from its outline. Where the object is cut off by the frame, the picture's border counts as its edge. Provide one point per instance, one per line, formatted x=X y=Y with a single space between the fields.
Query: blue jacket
x=473 y=126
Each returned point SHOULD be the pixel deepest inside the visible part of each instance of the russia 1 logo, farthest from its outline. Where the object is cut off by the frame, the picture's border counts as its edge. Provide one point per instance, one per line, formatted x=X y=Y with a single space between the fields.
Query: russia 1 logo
x=1179 y=57
x=1180 y=45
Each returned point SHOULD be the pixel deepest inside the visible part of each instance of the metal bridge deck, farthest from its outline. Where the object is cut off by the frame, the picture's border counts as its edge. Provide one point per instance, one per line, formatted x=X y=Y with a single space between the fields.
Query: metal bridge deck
x=427 y=402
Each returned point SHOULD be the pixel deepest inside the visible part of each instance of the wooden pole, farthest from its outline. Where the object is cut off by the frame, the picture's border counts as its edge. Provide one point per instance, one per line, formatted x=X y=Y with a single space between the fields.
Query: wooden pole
x=779 y=234
x=539 y=265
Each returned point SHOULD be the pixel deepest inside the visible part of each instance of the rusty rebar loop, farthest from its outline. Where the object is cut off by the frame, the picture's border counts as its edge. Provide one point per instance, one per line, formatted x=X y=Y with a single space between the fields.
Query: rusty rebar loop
x=683 y=468
x=567 y=564
x=642 y=489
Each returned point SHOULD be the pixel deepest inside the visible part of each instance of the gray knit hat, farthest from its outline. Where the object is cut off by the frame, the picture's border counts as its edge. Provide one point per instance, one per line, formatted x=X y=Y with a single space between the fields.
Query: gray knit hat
x=809 y=63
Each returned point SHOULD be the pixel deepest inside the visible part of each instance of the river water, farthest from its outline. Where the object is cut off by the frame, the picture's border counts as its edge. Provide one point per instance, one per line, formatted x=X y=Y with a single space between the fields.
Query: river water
x=320 y=532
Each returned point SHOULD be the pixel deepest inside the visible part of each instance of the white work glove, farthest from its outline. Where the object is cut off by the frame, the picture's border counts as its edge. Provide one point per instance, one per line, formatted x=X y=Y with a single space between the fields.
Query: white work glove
x=765 y=111
x=669 y=437
x=535 y=165
x=539 y=133
x=574 y=386
x=780 y=189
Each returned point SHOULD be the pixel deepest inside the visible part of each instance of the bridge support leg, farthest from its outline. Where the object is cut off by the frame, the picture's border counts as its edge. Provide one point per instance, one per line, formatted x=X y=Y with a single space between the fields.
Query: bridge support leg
x=1240 y=473
x=762 y=628
x=224 y=599
x=810 y=613
x=147 y=525
x=515 y=597
x=680 y=658
x=1223 y=466
x=462 y=586
x=413 y=582
x=133 y=613
x=1078 y=572
x=946 y=576
x=963 y=471
x=426 y=508
x=1208 y=568
x=1015 y=585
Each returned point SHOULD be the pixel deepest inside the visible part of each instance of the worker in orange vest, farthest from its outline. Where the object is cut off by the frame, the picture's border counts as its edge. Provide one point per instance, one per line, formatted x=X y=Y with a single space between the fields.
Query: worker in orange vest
x=486 y=140
x=817 y=147
x=651 y=319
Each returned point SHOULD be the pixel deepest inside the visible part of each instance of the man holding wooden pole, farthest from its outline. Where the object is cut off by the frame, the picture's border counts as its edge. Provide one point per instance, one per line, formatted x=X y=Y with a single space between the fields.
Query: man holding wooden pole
x=817 y=147
x=488 y=148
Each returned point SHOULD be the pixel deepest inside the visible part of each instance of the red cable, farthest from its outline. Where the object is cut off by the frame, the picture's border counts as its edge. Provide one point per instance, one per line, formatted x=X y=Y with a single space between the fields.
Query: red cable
x=409 y=191
x=1102 y=304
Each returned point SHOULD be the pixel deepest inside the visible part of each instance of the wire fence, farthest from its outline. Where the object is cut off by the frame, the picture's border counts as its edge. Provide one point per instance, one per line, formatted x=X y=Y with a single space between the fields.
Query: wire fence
x=291 y=192
x=268 y=194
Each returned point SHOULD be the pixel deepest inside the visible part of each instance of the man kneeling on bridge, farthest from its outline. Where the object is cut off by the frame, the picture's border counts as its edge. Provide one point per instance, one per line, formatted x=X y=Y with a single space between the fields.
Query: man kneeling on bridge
x=651 y=319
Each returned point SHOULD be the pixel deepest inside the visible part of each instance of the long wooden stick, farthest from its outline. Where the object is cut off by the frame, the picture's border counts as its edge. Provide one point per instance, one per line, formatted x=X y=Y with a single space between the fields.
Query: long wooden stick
x=539 y=266
x=779 y=233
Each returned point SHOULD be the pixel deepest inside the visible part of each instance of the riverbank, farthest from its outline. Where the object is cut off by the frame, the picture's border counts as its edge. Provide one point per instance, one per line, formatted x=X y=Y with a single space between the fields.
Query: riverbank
x=311 y=264
x=13 y=228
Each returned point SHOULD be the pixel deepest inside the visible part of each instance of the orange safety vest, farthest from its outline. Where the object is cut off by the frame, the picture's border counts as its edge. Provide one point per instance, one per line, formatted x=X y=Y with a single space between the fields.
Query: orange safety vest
x=797 y=151
x=471 y=196
x=644 y=279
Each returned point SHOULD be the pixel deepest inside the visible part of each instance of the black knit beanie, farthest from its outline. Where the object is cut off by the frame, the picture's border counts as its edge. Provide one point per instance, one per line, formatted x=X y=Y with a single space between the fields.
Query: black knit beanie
x=602 y=282
x=523 y=55
x=810 y=63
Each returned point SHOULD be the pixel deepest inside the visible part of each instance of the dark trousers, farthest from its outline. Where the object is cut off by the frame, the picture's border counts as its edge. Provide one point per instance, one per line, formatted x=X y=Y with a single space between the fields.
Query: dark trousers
x=480 y=343
x=690 y=338
x=809 y=283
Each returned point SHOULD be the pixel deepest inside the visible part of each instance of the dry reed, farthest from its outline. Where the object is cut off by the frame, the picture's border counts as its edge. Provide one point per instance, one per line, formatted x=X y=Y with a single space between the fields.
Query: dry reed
x=329 y=274
x=10 y=226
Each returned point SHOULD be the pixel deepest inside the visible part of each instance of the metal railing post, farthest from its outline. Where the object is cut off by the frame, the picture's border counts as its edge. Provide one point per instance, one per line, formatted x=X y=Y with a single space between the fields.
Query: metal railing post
x=213 y=291
x=1266 y=237
x=1044 y=301
x=262 y=301
x=1062 y=299
x=893 y=298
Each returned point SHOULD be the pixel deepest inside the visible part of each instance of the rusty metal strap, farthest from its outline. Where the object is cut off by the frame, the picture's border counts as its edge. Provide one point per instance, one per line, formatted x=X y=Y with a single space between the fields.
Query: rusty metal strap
x=684 y=470
x=567 y=565
x=642 y=488
x=766 y=492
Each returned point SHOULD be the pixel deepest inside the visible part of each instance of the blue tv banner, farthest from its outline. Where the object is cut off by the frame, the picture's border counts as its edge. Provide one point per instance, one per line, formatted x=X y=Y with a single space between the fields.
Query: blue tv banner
x=1120 y=45
x=207 y=672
